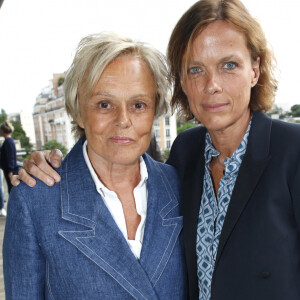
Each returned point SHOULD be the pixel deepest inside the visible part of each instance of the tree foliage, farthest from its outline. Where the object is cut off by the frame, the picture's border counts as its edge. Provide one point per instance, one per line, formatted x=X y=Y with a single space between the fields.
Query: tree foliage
x=184 y=127
x=19 y=134
x=3 y=116
x=53 y=144
x=166 y=154
x=60 y=81
x=295 y=109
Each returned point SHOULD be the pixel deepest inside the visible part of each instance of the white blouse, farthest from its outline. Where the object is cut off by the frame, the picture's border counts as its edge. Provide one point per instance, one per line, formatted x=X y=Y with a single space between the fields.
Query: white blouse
x=114 y=205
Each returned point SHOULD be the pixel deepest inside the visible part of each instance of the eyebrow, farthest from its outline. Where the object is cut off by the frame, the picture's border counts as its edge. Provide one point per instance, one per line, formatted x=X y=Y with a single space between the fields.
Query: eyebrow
x=229 y=57
x=195 y=63
x=221 y=60
x=112 y=96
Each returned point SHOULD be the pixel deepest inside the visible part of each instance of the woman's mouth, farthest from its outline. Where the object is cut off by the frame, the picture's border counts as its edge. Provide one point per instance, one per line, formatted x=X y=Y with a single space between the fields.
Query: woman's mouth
x=217 y=107
x=121 y=140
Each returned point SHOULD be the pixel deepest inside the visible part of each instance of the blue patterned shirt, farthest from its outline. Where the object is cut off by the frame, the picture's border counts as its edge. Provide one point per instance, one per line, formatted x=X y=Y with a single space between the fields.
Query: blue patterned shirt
x=213 y=211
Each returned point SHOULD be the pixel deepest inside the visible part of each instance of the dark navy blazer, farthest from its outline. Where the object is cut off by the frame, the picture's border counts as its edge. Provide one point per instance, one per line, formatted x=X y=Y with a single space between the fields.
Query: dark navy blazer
x=259 y=251
x=61 y=242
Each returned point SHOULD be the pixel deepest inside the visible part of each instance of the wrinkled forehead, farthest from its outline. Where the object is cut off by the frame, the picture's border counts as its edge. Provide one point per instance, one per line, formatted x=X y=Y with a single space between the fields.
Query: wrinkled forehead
x=126 y=70
x=95 y=70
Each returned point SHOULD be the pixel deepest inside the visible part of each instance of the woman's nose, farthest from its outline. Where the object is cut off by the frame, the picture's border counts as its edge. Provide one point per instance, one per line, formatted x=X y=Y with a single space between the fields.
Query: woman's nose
x=123 y=118
x=213 y=84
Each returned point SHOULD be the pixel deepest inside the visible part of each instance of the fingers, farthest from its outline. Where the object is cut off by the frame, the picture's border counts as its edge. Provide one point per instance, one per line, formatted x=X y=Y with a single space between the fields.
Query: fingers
x=38 y=166
x=25 y=177
x=55 y=158
x=15 y=180
x=38 y=171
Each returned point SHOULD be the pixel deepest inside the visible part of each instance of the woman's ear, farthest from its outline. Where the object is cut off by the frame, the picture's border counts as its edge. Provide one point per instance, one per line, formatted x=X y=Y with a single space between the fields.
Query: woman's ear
x=256 y=71
x=79 y=121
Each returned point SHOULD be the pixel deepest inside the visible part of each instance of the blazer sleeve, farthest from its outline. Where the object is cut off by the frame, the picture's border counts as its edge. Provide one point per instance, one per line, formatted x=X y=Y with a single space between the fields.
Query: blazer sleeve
x=23 y=262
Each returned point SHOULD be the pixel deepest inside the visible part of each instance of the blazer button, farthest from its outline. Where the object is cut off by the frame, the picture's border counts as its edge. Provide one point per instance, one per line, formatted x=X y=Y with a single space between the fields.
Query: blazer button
x=265 y=275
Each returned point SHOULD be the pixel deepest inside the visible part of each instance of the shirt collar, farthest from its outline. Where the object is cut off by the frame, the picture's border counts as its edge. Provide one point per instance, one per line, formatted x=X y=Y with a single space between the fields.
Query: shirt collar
x=236 y=157
x=101 y=188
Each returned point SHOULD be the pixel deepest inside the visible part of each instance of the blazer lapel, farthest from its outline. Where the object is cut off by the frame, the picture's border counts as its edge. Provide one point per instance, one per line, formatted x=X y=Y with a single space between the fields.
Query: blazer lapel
x=163 y=223
x=254 y=163
x=102 y=241
x=192 y=192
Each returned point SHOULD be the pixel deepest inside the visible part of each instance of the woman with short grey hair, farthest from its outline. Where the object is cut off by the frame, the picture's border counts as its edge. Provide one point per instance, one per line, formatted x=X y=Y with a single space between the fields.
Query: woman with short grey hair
x=97 y=51
x=111 y=228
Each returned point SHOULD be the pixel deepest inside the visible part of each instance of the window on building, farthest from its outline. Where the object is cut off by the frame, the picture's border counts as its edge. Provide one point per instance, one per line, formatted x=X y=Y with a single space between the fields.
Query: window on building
x=167 y=120
x=167 y=132
x=156 y=123
x=168 y=144
x=156 y=133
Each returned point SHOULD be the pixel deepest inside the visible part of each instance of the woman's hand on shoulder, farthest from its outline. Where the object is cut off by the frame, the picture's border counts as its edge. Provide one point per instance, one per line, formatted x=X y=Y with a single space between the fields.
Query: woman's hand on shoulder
x=40 y=164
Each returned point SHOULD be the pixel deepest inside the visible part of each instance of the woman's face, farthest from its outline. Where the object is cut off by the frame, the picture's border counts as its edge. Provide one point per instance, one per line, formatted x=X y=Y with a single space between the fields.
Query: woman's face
x=220 y=76
x=118 y=116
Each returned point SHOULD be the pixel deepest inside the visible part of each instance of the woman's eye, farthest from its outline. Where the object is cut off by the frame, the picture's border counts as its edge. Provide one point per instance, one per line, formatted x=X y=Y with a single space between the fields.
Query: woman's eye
x=104 y=105
x=139 y=105
x=230 y=65
x=194 y=70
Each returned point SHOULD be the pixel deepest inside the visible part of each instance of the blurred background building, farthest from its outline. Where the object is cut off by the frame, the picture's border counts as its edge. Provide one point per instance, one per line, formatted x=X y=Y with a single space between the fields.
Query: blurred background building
x=51 y=121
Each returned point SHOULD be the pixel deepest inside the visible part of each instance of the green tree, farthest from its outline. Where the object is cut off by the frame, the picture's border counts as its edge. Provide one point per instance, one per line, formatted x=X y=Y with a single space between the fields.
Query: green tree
x=19 y=134
x=3 y=116
x=60 y=81
x=166 y=154
x=184 y=127
x=295 y=109
x=53 y=144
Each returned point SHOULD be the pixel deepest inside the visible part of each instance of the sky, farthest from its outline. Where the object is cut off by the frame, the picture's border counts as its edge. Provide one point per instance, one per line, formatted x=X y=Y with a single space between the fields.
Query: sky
x=39 y=38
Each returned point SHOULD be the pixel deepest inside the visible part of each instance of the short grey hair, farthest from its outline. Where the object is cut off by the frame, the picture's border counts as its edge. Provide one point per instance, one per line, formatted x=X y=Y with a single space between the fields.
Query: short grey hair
x=94 y=53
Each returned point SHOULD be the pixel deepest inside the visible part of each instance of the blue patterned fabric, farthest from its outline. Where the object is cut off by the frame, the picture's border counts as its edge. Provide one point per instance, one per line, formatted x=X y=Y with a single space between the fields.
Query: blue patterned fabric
x=213 y=211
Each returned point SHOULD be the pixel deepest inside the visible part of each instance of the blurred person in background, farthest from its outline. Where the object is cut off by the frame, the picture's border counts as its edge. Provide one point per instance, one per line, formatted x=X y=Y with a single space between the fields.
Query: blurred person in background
x=8 y=153
x=111 y=229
